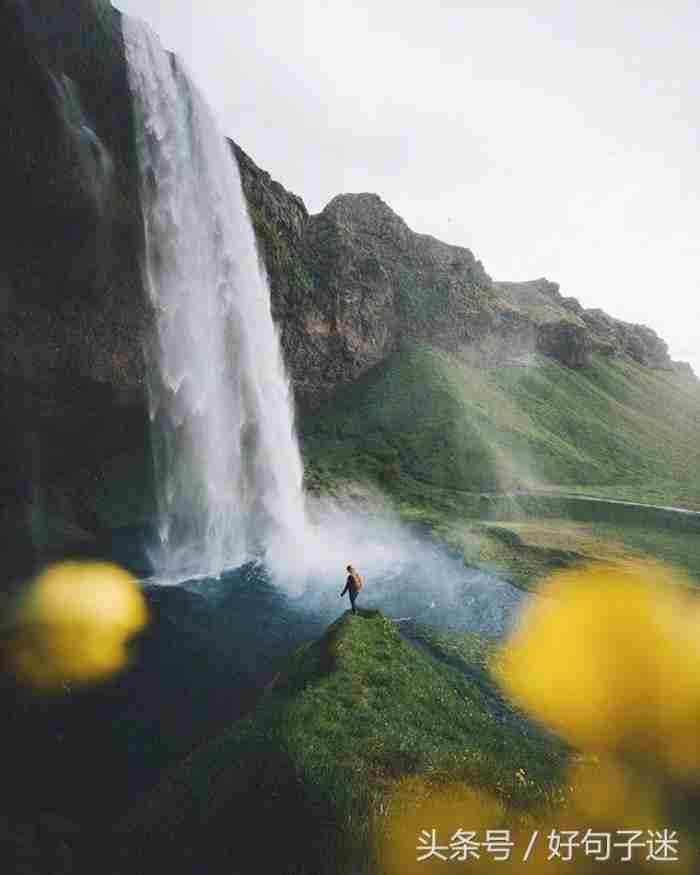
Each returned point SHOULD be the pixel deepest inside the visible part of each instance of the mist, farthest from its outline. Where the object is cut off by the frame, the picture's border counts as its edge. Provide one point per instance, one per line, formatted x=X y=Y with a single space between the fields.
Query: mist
x=406 y=573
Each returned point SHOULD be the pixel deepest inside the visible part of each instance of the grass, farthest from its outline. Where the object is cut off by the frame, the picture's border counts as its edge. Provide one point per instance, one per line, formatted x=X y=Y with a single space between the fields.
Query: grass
x=353 y=714
x=446 y=440
x=661 y=493
x=538 y=306
x=302 y=785
x=425 y=415
x=609 y=541
x=524 y=551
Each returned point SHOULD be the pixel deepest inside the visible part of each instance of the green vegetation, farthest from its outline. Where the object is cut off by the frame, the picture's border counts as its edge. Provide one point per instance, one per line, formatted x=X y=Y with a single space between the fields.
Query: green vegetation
x=448 y=440
x=526 y=550
x=616 y=424
x=537 y=305
x=305 y=782
x=280 y=258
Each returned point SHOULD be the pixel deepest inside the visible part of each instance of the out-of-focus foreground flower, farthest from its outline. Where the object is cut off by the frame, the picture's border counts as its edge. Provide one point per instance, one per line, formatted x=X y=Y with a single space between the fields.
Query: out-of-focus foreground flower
x=607 y=656
x=611 y=822
x=420 y=827
x=72 y=625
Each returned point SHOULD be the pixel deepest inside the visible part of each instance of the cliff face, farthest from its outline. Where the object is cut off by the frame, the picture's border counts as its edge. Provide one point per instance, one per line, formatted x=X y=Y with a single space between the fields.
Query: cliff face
x=72 y=308
x=71 y=231
x=583 y=331
x=348 y=285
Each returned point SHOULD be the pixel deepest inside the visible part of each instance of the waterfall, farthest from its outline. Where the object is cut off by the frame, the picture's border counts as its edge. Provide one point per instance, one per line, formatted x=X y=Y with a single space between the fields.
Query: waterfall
x=227 y=460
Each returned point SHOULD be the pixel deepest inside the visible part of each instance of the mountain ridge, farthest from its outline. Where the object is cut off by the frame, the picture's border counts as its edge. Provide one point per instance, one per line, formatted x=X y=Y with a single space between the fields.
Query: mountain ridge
x=500 y=313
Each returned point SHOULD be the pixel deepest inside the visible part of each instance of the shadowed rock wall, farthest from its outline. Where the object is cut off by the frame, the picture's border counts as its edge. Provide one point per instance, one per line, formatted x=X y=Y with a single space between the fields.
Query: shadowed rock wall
x=72 y=309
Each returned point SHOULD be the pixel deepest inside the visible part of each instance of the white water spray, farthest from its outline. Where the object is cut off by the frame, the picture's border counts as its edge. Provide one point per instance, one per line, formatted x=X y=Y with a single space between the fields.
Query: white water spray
x=229 y=468
x=228 y=464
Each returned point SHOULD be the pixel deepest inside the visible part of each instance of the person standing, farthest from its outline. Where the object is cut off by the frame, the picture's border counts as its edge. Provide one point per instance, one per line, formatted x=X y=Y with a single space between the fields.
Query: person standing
x=353 y=585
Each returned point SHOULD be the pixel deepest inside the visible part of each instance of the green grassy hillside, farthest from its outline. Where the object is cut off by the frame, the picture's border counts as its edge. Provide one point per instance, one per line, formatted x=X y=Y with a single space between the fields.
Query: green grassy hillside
x=441 y=437
x=425 y=415
x=302 y=786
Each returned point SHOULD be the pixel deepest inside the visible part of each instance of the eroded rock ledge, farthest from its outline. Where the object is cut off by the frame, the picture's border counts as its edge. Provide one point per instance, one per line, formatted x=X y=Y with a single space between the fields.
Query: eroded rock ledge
x=349 y=283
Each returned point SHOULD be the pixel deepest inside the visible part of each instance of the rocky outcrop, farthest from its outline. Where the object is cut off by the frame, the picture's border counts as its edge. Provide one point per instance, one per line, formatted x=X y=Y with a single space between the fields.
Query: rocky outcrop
x=349 y=283
x=685 y=369
x=623 y=338
x=542 y=301
x=565 y=341
x=374 y=282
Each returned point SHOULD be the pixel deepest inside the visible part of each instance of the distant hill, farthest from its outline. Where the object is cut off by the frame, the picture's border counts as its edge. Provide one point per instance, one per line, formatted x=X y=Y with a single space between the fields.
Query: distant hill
x=429 y=415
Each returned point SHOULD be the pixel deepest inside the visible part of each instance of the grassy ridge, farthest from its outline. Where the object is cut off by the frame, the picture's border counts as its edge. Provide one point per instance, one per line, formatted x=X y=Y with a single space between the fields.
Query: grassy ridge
x=302 y=786
x=426 y=415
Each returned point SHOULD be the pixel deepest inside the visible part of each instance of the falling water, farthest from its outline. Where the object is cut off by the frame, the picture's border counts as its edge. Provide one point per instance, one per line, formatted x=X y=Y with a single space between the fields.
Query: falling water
x=227 y=460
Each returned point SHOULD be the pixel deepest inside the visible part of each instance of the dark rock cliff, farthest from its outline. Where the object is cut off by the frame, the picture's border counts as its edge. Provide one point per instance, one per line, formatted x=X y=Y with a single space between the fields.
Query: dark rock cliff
x=71 y=228
x=582 y=331
x=348 y=285
x=72 y=308
x=350 y=282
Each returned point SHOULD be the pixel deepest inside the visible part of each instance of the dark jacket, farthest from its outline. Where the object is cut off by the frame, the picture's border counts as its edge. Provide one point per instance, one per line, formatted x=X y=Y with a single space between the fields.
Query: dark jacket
x=350 y=587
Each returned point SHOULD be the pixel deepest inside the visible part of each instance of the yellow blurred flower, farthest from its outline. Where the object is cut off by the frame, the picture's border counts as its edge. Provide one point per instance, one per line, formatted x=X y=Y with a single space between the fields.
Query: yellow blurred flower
x=606 y=794
x=72 y=624
x=610 y=822
x=421 y=817
x=608 y=656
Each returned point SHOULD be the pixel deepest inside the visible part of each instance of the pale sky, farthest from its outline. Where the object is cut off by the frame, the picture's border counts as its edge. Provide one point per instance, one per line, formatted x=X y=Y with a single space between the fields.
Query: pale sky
x=556 y=139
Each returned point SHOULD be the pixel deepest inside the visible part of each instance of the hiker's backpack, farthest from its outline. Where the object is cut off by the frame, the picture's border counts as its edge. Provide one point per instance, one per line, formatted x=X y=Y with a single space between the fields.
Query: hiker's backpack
x=358 y=580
